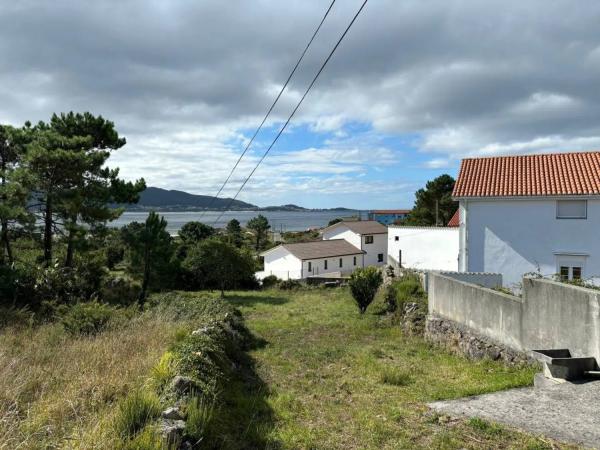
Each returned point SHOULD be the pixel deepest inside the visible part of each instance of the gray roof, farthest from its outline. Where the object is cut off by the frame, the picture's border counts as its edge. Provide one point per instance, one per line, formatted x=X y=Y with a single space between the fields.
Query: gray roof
x=363 y=226
x=322 y=249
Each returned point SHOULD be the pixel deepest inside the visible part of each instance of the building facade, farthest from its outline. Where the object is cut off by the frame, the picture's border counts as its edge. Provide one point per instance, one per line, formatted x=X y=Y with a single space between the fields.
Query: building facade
x=367 y=235
x=388 y=216
x=424 y=248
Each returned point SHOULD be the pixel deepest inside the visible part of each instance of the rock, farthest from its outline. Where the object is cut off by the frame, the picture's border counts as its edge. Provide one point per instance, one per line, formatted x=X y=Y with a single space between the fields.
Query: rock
x=172 y=414
x=203 y=330
x=183 y=385
x=172 y=432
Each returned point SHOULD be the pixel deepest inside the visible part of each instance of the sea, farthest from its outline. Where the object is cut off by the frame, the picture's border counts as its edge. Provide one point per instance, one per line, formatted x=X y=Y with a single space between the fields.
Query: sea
x=280 y=221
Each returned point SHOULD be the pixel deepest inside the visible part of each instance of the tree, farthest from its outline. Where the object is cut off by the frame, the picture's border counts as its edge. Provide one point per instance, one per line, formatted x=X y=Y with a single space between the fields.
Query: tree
x=214 y=263
x=13 y=194
x=364 y=284
x=334 y=221
x=437 y=196
x=260 y=226
x=194 y=232
x=149 y=247
x=66 y=165
x=234 y=233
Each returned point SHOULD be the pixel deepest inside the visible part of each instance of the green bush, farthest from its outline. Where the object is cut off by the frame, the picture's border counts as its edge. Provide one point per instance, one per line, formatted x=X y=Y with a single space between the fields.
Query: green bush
x=120 y=291
x=270 y=281
x=135 y=411
x=288 y=285
x=199 y=417
x=87 y=317
x=391 y=299
x=364 y=284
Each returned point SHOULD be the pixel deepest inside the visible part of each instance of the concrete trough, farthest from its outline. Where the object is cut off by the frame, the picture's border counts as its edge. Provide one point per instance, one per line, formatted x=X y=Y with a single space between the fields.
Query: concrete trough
x=560 y=365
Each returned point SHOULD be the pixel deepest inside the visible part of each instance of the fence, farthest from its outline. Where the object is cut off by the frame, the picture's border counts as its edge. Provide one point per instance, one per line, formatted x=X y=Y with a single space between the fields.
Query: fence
x=548 y=315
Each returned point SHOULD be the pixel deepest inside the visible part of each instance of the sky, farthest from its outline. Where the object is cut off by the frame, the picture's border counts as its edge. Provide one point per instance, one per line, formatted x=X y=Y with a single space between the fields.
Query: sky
x=415 y=86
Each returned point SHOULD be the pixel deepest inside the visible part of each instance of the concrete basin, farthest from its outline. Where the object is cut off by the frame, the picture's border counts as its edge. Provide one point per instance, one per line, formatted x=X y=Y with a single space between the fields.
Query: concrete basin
x=559 y=364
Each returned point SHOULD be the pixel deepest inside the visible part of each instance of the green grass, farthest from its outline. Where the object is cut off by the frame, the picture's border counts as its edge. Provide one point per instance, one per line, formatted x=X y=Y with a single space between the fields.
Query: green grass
x=137 y=410
x=333 y=379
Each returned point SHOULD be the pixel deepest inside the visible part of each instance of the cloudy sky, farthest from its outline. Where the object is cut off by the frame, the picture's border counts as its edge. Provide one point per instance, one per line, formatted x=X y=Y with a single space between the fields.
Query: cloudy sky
x=416 y=86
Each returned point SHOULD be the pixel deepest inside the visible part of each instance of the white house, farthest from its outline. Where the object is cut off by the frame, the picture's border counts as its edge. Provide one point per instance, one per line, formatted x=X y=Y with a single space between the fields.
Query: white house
x=425 y=248
x=306 y=259
x=367 y=235
x=534 y=213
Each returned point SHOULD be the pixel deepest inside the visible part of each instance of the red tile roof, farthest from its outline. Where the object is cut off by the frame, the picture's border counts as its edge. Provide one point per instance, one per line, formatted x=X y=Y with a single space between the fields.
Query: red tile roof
x=455 y=220
x=530 y=175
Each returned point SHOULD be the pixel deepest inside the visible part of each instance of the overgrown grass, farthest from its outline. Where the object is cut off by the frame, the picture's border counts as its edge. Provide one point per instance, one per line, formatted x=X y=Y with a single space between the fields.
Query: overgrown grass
x=339 y=380
x=138 y=409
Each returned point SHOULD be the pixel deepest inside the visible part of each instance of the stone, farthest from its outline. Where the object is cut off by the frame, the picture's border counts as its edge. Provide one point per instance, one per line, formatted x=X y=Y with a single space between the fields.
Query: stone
x=183 y=385
x=172 y=431
x=203 y=330
x=172 y=414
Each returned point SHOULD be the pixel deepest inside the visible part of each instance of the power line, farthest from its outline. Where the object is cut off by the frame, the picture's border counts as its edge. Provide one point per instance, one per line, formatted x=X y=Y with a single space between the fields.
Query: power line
x=295 y=109
x=271 y=108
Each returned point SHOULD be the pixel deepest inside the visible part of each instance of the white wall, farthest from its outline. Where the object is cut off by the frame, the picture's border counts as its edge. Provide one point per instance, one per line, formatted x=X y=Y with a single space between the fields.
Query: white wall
x=281 y=263
x=333 y=265
x=427 y=248
x=342 y=232
x=516 y=236
x=379 y=244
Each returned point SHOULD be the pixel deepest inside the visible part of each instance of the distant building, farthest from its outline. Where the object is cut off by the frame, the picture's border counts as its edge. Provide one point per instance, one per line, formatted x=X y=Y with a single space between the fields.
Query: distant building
x=345 y=247
x=388 y=216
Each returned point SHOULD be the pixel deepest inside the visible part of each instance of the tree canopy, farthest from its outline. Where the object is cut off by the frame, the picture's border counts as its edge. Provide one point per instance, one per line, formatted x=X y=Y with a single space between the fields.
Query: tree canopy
x=437 y=195
x=260 y=226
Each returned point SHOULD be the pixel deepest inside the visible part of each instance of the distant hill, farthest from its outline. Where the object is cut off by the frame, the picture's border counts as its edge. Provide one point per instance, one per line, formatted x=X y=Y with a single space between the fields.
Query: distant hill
x=284 y=208
x=165 y=199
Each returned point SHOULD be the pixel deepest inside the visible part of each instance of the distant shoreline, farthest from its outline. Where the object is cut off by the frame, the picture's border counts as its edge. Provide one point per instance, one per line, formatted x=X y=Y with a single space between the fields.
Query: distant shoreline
x=267 y=209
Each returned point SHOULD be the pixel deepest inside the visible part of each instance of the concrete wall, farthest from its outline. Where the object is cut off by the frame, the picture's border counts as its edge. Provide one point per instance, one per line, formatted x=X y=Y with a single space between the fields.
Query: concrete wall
x=489 y=312
x=488 y=280
x=516 y=236
x=424 y=248
x=549 y=314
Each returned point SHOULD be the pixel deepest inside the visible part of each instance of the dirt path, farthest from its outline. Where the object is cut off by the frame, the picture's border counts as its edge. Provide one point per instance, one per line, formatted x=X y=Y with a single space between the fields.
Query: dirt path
x=567 y=412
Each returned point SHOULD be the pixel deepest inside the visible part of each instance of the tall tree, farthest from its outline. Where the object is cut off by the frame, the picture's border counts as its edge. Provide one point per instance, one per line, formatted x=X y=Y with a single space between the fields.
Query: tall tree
x=149 y=247
x=67 y=160
x=260 y=226
x=234 y=232
x=13 y=194
x=435 y=200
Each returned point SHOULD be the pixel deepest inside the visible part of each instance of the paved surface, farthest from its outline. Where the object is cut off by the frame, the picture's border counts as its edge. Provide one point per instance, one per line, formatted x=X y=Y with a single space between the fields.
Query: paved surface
x=565 y=412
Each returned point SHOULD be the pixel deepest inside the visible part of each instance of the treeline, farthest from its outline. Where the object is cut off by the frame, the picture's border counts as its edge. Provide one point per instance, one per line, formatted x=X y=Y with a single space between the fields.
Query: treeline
x=57 y=196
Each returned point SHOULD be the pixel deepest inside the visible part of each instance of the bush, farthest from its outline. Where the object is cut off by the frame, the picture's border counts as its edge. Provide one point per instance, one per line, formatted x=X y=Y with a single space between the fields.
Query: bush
x=391 y=299
x=364 y=284
x=120 y=291
x=86 y=318
x=135 y=411
x=270 y=281
x=288 y=285
x=163 y=371
x=114 y=255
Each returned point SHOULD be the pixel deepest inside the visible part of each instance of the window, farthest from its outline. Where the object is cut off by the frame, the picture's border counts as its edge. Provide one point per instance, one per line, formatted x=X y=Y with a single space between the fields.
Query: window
x=564 y=273
x=576 y=273
x=570 y=267
x=354 y=260
x=571 y=209
x=380 y=257
x=341 y=262
x=368 y=239
x=310 y=266
x=325 y=264
x=400 y=258
x=396 y=238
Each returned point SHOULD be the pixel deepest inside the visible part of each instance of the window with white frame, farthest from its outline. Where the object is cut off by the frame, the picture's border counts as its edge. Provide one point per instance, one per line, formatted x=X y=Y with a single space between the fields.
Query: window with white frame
x=380 y=257
x=368 y=239
x=325 y=264
x=341 y=262
x=570 y=267
x=571 y=209
x=354 y=260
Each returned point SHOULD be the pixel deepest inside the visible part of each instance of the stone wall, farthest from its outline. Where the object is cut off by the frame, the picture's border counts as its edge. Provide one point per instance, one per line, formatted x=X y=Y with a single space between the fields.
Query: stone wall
x=548 y=315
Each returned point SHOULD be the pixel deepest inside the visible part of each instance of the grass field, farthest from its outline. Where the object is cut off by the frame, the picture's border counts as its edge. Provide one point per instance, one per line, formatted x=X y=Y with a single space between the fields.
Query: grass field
x=319 y=376
x=335 y=379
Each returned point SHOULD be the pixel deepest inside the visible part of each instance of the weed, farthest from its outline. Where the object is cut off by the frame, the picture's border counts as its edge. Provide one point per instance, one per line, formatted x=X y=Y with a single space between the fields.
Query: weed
x=137 y=409
x=490 y=429
x=395 y=377
x=199 y=418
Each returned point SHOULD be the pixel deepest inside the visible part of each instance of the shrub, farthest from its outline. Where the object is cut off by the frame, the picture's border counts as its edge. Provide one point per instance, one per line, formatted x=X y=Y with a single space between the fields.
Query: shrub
x=270 y=281
x=199 y=418
x=120 y=291
x=391 y=299
x=86 y=317
x=364 y=284
x=135 y=411
x=114 y=255
x=288 y=285
x=163 y=371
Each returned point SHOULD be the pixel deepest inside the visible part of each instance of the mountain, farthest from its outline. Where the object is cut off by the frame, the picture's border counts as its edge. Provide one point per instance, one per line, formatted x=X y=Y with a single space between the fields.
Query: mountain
x=284 y=208
x=165 y=199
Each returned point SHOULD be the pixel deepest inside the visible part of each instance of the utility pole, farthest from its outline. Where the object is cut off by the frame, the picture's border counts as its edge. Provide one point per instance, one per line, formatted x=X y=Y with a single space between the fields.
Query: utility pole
x=437 y=208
